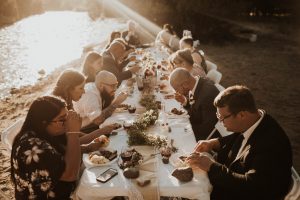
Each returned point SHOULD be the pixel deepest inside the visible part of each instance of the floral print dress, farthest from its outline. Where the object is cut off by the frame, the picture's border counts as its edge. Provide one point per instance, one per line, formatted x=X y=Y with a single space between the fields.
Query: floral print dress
x=36 y=168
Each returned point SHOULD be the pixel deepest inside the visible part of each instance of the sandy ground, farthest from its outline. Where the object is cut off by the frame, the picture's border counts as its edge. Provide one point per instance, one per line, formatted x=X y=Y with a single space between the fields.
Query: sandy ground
x=268 y=66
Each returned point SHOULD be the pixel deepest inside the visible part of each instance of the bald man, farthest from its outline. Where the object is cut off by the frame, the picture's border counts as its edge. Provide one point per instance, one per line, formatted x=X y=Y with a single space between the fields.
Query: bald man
x=112 y=61
x=98 y=102
x=201 y=93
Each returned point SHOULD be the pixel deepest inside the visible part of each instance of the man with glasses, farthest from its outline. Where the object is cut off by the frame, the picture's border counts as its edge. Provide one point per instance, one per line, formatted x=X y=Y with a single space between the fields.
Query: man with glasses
x=99 y=101
x=252 y=163
x=200 y=93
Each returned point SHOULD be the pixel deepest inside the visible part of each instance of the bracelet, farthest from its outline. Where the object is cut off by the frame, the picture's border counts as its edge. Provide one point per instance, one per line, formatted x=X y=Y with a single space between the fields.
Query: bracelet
x=72 y=132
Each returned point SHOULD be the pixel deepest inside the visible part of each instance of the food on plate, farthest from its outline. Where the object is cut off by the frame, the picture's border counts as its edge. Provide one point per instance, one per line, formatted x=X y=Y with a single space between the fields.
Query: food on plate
x=164 y=77
x=102 y=156
x=96 y=159
x=110 y=155
x=176 y=111
x=162 y=86
x=102 y=139
x=131 y=172
x=117 y=126
x=169 y=96
x=184 y=174
x=130 y=158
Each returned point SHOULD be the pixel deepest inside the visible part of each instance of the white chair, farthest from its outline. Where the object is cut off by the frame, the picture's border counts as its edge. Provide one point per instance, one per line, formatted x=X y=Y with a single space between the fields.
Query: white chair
x=214 y=75
x=294 y=193
x=9 y=134
x=221 y=129
x=220 y=87
x=210 y=66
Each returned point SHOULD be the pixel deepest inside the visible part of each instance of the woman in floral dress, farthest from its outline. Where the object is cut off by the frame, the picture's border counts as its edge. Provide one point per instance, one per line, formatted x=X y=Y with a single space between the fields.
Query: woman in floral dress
x=46 y=156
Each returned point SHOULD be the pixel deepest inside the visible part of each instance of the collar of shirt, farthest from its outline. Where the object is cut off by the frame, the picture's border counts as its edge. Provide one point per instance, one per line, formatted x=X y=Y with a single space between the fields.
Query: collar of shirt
x=250 y=130
x=192 y=92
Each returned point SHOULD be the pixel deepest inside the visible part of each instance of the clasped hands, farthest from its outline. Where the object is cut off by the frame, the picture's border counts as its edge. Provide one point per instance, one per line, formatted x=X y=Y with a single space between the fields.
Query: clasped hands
x=200 y=158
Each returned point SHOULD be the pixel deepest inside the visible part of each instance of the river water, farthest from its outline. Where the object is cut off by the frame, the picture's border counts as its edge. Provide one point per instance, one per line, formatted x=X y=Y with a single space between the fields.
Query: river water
x=45 y=42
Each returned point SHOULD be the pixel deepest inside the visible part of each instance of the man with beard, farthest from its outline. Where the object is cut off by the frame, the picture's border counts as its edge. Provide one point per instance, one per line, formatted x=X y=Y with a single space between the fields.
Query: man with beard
x=99 y=101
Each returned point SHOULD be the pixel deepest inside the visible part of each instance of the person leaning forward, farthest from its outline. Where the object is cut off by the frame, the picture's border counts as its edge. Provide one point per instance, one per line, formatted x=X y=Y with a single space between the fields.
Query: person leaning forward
x=200 y=93
x=99 y=101
x=252 y=163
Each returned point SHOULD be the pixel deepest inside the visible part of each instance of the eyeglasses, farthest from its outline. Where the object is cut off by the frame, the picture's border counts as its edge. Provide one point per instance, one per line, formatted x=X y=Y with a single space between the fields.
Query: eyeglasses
x=115 y=85
x=222 y=119
x=61 y=121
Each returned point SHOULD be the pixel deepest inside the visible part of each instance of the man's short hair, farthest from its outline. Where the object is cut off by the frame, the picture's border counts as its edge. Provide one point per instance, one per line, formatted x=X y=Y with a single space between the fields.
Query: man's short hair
x=188 y=40
x=183 y=55
x=237 y=98
x=179 y=76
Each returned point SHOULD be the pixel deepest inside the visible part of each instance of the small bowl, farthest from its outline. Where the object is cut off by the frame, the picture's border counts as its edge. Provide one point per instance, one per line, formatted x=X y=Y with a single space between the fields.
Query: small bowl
x=131 y=109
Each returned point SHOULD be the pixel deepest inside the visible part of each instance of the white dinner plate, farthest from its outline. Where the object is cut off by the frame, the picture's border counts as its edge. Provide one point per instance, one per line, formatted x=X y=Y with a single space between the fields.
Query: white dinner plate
x=88 y=163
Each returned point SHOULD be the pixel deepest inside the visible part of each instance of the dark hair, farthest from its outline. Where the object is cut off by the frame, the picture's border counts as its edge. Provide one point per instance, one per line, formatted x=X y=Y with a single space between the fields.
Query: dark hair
x=86 y=69
x=184 y=54
x=237 y=98
x=169 y=28
x=42 y=111
x=188 y=41
x=112 y=37
x=68 y=80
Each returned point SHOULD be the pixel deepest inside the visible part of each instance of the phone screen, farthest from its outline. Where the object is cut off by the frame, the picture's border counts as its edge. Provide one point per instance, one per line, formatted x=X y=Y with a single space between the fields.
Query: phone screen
x=107 y=175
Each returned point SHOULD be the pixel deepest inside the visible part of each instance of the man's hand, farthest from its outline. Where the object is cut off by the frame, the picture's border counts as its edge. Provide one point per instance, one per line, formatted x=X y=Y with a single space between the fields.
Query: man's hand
x=120 y=98
x=207 y=145
x=198 y=160
x=180 y=98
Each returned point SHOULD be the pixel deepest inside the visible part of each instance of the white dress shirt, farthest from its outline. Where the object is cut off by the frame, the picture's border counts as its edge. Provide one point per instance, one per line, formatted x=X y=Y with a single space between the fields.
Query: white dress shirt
x=90 y=104
x=249 y=132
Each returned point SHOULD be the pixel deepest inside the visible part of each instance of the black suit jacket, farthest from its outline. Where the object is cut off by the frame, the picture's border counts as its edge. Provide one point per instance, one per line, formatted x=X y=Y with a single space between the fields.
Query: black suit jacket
x=109 y=64
x=202 y=112
x=262 y=172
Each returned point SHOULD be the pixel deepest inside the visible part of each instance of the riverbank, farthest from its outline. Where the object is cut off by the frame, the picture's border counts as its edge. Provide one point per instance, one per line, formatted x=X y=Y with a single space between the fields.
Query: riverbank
x=268 y=66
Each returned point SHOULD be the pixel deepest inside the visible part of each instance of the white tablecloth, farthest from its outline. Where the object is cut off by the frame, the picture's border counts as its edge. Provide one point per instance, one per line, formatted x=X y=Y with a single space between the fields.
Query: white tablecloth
x=184 y=140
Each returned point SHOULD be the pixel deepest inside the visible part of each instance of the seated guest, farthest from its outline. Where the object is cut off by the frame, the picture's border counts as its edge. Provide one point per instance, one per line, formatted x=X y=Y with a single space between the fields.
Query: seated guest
x=252 y=163
x=98 y=102
x=201 y=93
x=70 y=87
x=183 y=58
x=198 y=58
x=43 y=166
x=114 y=35
x=130 y=36
x=91 y=66
x=112 y=59
x=167 y=38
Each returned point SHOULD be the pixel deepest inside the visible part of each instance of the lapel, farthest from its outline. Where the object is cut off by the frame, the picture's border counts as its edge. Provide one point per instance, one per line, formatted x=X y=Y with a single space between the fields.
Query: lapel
x=197 y=96
x=252 y=139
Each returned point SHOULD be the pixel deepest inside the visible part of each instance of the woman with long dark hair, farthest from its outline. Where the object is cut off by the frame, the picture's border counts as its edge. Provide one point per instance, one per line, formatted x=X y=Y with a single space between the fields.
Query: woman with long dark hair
x=46 y=156
x=70 y=87
x=91 y=66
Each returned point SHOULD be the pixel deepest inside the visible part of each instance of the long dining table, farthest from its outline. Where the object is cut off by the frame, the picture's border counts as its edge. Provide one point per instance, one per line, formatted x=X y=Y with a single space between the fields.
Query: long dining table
x=178 y=129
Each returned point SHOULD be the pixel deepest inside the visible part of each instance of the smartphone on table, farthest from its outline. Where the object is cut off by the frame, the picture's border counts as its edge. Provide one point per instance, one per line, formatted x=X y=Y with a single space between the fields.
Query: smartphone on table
x=107 y=175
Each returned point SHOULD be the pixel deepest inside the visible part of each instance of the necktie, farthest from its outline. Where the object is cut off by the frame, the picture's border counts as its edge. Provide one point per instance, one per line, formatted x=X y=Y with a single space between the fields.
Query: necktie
x=235 y=149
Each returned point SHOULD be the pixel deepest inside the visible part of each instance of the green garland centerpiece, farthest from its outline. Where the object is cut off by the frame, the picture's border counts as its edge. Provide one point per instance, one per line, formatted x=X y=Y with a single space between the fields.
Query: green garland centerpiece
x=137 y=134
